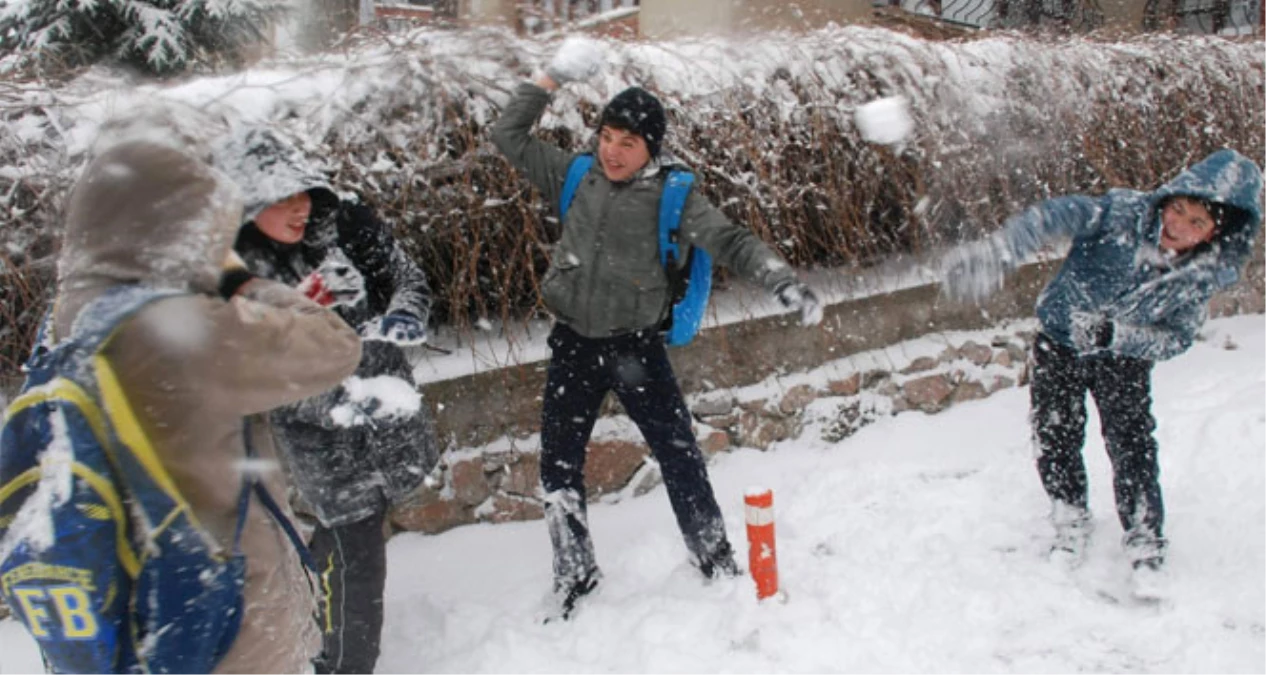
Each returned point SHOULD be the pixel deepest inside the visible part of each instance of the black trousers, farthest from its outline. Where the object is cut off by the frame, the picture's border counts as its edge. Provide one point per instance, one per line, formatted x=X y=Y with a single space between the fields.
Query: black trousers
x=636 y=367
x=352 y=563
x=1122 y=390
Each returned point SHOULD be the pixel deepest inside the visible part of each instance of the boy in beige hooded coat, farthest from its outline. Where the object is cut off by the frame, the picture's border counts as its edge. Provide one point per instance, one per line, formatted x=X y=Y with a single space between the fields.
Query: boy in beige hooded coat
x=148 y=210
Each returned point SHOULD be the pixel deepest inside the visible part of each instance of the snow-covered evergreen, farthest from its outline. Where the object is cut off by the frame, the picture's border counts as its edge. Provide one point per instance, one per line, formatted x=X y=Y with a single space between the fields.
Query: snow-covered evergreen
x=157 y=36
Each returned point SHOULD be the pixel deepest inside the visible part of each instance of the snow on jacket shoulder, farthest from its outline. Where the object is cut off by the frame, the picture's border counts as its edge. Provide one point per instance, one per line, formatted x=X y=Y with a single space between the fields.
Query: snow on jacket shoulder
x=194 y=366
x=605 y=277
x=1115 y=267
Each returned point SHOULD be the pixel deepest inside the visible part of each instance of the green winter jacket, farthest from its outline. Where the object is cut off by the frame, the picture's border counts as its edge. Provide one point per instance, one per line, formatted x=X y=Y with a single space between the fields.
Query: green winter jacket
x=605 y=277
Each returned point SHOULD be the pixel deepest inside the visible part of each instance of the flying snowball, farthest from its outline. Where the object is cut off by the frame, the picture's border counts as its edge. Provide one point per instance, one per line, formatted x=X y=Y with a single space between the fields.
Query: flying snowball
x=885 y=120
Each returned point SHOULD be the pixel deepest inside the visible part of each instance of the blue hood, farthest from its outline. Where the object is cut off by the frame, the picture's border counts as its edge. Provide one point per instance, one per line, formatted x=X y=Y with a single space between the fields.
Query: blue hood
x=1229 y=178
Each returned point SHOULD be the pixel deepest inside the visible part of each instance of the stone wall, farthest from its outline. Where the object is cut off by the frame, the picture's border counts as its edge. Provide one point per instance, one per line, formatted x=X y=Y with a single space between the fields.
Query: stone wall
x=491 y=420
x=498 y=482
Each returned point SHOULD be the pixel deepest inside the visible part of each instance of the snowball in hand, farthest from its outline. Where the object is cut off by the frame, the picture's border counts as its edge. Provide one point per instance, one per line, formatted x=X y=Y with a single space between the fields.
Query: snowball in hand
x=885 y=120
x=577 y=59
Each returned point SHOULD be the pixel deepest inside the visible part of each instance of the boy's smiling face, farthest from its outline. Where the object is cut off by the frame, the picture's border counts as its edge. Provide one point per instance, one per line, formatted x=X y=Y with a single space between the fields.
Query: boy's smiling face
x=622 y=153
x=285 y=221
x=1185 y=224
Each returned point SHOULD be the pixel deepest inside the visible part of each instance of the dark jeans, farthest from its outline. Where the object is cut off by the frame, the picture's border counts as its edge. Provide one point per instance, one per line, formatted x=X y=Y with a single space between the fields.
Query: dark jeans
x=636 y=367
x=352 y=563
x=1122 y=390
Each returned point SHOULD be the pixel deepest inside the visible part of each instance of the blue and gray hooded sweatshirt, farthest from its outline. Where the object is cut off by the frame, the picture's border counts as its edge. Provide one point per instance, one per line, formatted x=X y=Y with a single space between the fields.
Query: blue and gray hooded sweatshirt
x=1115 y=268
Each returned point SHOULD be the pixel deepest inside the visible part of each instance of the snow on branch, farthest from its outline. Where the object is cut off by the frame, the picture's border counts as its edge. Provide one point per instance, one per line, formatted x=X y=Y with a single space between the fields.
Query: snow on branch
x=768 y=122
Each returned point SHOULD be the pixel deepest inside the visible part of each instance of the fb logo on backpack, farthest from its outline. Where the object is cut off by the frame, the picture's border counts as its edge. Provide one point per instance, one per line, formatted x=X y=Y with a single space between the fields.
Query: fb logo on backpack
x=100 y=555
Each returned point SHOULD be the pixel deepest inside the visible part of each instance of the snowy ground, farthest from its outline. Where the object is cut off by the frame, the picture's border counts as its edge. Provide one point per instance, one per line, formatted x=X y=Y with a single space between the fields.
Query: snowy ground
x=913 y=546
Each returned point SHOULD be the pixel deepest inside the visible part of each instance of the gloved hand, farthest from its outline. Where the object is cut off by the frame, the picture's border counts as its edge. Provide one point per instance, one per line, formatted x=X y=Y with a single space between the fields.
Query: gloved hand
x=972 y=272
x=1091 y=332
x=795 y=295
x=234 y=275
x=313 y=286
x=335 y=282
x=577 y=59
x=401 y=328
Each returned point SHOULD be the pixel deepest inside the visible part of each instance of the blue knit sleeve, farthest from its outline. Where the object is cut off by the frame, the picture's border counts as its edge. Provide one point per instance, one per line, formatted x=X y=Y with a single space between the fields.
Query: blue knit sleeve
x=1058 y=219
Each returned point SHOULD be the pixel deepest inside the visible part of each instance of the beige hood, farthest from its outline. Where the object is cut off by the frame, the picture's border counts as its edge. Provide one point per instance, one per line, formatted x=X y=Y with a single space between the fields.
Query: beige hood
x=145 y=212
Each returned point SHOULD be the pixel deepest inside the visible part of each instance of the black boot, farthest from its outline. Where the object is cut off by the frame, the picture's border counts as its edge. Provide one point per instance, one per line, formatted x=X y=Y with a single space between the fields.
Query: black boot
x=719 y=563
x=569 y=591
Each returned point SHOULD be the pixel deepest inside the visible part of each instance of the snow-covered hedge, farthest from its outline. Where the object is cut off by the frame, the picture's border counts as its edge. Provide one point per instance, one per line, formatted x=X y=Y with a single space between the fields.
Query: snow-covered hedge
x=769 y=123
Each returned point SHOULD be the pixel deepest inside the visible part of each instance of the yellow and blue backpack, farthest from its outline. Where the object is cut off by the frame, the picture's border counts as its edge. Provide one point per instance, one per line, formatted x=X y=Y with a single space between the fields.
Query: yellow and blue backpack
x=101 y=557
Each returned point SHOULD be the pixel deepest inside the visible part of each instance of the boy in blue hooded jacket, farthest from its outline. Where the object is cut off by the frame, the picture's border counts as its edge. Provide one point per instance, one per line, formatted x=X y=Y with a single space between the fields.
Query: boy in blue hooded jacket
x=1134 y=289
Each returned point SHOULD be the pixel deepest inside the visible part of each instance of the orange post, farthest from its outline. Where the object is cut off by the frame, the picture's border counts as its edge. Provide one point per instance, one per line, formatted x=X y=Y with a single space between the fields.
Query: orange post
x=762 y=559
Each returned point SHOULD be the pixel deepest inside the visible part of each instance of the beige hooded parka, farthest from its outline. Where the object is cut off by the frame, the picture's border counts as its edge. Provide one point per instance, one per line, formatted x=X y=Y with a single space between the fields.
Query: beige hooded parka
x=193 y=367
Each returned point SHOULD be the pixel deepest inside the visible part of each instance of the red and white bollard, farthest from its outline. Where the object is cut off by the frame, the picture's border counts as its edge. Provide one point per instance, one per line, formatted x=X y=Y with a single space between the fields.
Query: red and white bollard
x=762 y=558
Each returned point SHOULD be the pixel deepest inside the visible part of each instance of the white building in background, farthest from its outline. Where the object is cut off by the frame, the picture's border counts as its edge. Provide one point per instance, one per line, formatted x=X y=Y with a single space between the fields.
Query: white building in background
x=656 y=19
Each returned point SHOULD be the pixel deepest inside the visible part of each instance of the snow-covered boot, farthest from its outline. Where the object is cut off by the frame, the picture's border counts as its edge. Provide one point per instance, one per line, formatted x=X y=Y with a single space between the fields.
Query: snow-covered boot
x=568 y=522
x=1146 y=553
x=575 y=569
x=1073 y=527
x=1149 y=581
x=719 y=562
x=568 y=592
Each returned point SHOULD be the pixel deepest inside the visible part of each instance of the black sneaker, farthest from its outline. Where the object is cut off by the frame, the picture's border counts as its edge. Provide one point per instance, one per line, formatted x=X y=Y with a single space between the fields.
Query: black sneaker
x=569 y=591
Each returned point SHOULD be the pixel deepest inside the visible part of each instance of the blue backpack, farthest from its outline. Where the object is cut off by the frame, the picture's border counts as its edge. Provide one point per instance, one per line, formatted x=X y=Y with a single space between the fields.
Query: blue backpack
x=100 y=555
x=691 y=281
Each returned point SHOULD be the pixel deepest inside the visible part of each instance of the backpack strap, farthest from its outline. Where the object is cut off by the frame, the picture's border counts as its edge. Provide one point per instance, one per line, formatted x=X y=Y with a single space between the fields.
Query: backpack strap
x=690 y=275
x=690 y=287
x=93 y=326
x=671 y=205
x=98 y=319
x=575 y=173
x=251 y=484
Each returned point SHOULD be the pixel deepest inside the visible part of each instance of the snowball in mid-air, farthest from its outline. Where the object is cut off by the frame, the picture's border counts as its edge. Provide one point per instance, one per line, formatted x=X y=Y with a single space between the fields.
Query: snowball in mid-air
x=885 y=120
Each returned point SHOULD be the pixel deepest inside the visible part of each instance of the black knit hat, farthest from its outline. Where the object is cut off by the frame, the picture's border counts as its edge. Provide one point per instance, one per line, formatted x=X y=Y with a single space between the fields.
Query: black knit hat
x=638 y=111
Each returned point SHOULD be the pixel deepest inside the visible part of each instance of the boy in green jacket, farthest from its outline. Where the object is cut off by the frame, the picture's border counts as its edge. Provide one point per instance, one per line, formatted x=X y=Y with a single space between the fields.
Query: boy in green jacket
x=610 y=295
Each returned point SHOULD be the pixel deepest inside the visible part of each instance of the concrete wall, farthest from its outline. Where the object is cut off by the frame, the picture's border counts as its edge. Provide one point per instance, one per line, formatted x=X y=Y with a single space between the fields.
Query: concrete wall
x=1123 y=15
x=489 y=12
x=668 y=18
x=755 y=15
x=481 y=408
x=662 y=19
